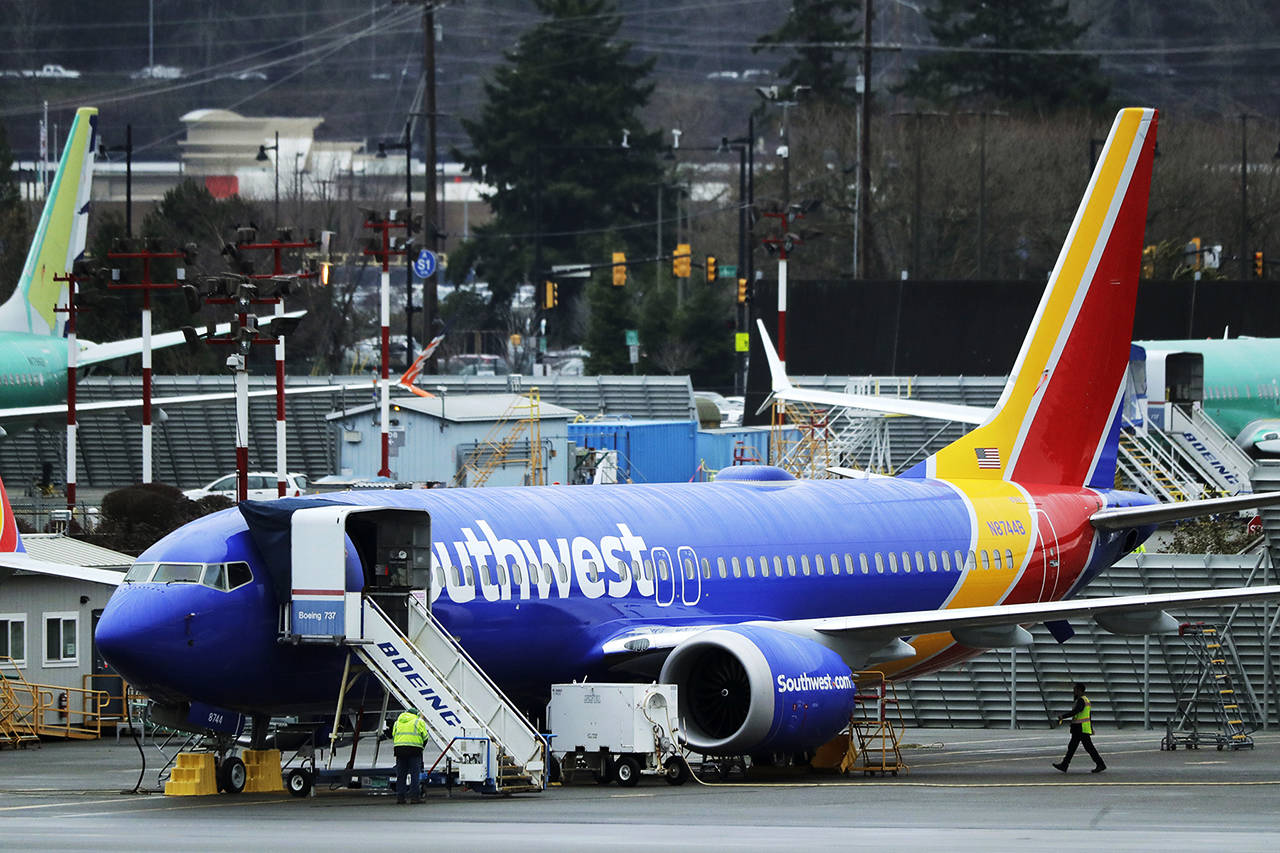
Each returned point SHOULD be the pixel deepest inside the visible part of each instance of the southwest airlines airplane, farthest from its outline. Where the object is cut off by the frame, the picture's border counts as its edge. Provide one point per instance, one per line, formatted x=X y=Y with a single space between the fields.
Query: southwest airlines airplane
x=760 y=595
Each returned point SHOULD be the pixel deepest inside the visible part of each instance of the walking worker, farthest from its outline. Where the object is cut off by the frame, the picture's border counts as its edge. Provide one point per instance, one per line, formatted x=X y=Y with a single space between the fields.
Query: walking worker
x=1081 y=731
x=409 y=734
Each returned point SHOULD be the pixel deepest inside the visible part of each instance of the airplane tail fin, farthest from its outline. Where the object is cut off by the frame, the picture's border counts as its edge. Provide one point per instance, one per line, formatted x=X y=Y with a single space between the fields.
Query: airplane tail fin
x=59 y=237
x=10 y=540
x=1057 y=420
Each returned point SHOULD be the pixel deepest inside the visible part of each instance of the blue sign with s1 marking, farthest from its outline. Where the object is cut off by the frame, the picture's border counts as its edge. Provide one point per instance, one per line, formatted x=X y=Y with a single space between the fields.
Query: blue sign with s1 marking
x=425 y=264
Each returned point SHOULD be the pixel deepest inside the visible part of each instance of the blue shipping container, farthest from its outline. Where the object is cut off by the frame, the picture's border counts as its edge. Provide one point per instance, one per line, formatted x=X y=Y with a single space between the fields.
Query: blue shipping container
x=648 y=451
x=716 y=447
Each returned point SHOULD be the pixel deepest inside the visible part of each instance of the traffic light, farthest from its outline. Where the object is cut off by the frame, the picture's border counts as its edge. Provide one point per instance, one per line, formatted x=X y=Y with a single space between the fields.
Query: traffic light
x=1259 y=265
x=711 y=269
x=619 y=269
x=742 y=290
x=1193 y=249
x=551 y=297
x=1149 y=262
x=682 y=261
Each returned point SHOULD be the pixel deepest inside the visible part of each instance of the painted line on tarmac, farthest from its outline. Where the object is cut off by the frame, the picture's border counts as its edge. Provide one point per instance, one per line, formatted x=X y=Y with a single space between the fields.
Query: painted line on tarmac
x=55 y=805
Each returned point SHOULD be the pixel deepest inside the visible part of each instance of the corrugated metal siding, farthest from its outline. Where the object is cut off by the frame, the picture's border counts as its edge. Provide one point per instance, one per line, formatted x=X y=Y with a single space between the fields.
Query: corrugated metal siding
x=648 y=451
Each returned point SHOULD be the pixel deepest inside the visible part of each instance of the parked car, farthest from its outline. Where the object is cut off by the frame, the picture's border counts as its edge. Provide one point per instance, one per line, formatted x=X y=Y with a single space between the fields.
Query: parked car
x=157 y=72
x=262 y=486
x=51 y=70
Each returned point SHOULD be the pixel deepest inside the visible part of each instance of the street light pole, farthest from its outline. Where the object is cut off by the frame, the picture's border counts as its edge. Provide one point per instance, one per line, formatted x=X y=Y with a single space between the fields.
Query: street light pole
x=261 y=158
x=1244 y=196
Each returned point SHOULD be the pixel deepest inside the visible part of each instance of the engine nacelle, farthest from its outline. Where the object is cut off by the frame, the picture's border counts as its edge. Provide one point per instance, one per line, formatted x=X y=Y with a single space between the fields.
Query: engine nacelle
x=751 y=688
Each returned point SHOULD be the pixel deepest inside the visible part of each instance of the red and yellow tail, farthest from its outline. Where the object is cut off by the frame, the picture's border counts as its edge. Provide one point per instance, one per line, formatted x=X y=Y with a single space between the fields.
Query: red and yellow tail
x=1055 y=420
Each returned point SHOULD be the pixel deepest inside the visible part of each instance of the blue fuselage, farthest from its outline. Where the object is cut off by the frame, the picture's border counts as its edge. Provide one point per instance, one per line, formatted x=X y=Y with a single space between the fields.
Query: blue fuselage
x=534 y=580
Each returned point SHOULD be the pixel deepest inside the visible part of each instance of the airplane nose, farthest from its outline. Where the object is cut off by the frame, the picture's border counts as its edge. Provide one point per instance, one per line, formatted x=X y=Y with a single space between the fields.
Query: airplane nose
x=133 y=634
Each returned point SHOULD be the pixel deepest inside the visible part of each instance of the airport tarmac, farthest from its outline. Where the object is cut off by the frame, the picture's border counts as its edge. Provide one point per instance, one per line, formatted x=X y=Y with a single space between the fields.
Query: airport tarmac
x=966 y=790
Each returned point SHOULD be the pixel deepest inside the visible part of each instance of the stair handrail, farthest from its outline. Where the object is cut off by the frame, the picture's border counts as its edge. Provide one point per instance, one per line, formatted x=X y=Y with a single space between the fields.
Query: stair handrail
x=430 y=618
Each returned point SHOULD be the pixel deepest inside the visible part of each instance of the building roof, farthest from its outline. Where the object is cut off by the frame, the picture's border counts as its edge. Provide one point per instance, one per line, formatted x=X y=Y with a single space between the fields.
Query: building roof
x=57 y=548
x=462 y=408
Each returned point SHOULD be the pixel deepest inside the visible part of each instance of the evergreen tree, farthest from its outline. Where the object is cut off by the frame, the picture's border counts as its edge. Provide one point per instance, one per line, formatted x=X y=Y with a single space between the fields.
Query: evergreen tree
x=1032 y=80
x=612 y=312
x=549 y=140
x=14 y=237
x=811 y=30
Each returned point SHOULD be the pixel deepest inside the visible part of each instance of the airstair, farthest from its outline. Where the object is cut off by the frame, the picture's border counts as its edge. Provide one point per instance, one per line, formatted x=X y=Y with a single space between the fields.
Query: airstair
x=1208 y=687
x=1182 y=455
x=484 y=738
x=1214 y=453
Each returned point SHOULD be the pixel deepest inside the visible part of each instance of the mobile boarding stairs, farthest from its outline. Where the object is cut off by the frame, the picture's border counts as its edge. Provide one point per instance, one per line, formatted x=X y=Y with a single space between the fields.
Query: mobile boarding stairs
x=485 y=740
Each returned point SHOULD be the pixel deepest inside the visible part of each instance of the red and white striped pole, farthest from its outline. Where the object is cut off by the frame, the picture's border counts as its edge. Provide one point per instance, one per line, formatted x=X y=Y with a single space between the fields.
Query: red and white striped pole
x=782 y=306
x=384 y=380
x=281 y=438
x=72 y=351
x=242 y=398
x=146 y=383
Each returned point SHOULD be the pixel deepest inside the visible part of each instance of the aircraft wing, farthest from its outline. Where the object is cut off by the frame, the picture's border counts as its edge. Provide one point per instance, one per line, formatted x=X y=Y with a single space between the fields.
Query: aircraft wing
x=32 y=412
x=23 y=562
x=1121 y=614
x=91 y=354
x=782 y=389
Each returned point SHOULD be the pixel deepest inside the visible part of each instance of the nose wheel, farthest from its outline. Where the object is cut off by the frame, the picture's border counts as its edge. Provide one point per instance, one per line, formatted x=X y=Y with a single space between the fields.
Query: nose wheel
x=231 y=775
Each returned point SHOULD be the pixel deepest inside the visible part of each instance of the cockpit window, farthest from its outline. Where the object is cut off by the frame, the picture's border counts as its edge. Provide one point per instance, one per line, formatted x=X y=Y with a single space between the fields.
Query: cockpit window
x=215 y=576
x=238 y=574
x=178 y=573
x=139 y=573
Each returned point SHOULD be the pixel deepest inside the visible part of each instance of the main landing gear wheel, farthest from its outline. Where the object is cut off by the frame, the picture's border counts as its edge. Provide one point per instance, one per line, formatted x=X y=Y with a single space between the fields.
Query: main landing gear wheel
x=677 y=772
x=627 y=771
x=299 y=782
x=232 y=775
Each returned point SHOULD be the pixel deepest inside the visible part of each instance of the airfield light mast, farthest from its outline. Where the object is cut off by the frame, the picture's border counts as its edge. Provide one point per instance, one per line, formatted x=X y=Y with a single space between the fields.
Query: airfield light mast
x=383 y=251
x=125 y=250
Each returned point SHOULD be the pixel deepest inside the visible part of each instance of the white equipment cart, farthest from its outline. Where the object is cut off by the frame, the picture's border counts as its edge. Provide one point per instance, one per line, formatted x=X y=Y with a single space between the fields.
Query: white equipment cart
x=616 y=732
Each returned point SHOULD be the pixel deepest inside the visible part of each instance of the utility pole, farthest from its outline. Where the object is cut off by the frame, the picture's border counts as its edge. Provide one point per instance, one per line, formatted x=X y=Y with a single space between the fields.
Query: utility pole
x=864 y=145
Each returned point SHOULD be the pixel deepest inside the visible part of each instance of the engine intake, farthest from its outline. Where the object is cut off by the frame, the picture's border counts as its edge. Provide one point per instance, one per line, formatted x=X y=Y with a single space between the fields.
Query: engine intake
x=752 y=688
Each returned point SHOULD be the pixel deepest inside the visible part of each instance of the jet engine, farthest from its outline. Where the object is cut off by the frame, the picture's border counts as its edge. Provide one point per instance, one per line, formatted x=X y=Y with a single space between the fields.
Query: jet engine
x=751 y=688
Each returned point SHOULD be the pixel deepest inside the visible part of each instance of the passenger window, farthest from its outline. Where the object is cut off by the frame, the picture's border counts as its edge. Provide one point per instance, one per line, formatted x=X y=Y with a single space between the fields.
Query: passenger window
x=893 y=562
x=933 y=561
x=906 y=561
x=502 y=573
x=1008 y=559
x=215 y=576
x=970 y=562
x=706 y=567
x=546 y=573
x=593 y=574
x=737 y=569
x=959 y=561
x=996 y=556
x=457 y=575
x=879 y=563
x=946 y=561
x=791 y=565
x=986 y=560
x=663 y=572
x=819 y=564
x=862 y=563
x=622 y=570
x=919 y=562
x=238 y=574
x=690 y=570
x=804 y=564
x=648 y=570
x=564 y=573
x=724 y=569
x=751 y=568
x=777 y=566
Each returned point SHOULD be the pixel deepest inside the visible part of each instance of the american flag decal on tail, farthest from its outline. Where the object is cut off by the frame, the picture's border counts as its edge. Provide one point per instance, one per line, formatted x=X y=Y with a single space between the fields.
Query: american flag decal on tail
x=988 y=457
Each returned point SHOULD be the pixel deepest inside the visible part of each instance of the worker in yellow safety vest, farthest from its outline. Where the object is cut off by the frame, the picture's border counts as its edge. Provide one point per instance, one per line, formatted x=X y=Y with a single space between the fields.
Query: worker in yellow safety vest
x=1081 y=716
x=409 y=734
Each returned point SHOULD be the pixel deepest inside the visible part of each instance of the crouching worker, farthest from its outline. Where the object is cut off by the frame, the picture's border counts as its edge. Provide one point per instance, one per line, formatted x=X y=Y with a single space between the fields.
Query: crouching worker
x=409 y=734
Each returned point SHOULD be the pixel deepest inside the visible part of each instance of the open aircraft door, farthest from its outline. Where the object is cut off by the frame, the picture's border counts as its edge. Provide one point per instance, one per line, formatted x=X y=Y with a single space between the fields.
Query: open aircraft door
x=308 y=549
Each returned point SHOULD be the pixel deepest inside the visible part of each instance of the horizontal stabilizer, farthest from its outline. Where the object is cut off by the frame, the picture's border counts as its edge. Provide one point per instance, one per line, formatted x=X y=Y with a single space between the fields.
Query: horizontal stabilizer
x=782 y=389
x=1135 y=516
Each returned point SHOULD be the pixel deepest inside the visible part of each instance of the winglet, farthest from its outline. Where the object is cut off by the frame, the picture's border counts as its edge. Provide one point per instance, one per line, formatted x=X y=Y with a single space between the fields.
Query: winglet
x=406 y=380
x=10 y=540
x=778 y=380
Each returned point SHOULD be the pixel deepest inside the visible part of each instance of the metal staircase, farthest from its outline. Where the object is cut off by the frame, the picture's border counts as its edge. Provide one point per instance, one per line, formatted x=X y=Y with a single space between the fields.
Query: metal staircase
x=484 y=738
x=1208 y=680
x=1215 y=455
x=1149 y=464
